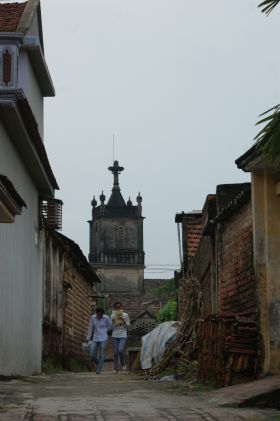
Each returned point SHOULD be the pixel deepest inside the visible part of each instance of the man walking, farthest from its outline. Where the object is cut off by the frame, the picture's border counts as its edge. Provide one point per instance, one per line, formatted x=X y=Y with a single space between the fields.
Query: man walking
x=98 y=328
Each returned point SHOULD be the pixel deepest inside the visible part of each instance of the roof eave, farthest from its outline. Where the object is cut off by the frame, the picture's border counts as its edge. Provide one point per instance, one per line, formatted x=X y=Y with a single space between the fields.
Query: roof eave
x=12 y=36
x=15 y=127
x=40 y=67
x=251 y=162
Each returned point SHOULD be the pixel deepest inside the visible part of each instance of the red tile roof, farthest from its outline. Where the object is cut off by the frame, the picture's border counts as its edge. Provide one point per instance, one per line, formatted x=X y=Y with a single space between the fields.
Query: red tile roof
x=10 y=14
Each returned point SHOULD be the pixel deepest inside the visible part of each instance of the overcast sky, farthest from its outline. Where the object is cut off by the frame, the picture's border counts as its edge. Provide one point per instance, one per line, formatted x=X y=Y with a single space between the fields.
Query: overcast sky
x=180 y=83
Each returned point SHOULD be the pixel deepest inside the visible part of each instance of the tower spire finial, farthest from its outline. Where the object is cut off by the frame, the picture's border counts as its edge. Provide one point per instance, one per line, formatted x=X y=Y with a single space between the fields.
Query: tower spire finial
x=116 y=170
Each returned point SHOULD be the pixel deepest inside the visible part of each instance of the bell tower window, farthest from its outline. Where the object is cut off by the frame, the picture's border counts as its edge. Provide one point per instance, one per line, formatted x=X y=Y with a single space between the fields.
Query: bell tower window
x=121 y=237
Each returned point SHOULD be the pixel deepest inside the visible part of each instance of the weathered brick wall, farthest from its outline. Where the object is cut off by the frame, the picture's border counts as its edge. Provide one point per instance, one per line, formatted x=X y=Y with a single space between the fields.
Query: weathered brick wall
x=77 y=312
x=191 y=234
x=202 y=272
x=236 y=279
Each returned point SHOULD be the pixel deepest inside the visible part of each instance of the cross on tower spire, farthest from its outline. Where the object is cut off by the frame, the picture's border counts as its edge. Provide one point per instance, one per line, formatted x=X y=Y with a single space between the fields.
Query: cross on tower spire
x=116 y=170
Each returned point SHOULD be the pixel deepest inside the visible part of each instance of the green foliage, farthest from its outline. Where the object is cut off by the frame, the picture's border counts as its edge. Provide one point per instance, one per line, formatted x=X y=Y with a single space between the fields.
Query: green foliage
x=109 y=312
x=268 y=5
x=205 y=387
x=268 y=138
x=168 y=311
x=51 y=365
x=167 y=290
x=76 y=365
x=101 y=302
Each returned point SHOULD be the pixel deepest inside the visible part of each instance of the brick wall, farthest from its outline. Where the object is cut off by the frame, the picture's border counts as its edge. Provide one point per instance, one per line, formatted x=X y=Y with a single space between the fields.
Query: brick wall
x=236 y=279
x=202 y=272
x=191 y=233
x=77 y=312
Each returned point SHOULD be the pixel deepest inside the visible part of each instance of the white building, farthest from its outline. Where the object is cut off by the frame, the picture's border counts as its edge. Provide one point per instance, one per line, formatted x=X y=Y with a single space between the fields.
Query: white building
x=27 y=186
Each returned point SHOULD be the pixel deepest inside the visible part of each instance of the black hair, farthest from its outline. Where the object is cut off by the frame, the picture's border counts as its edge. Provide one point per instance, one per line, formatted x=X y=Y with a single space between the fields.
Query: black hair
x=117 y=303
x=99 y=310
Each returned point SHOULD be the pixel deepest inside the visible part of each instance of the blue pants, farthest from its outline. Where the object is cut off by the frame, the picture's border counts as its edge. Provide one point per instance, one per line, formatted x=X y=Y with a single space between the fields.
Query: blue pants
x=118 y=349
x=97 y=354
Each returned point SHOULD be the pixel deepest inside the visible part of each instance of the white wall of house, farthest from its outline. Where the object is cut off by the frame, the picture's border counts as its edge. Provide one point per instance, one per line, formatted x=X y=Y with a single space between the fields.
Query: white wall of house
x=27 y=81
x=21 y=272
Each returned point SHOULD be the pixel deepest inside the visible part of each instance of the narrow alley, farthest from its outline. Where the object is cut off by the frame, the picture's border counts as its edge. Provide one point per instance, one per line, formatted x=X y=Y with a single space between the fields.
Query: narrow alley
x=109 y=397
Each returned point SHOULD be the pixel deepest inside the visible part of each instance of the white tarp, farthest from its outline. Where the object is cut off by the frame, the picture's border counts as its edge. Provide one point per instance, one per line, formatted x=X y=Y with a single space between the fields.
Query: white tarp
x=154 y=343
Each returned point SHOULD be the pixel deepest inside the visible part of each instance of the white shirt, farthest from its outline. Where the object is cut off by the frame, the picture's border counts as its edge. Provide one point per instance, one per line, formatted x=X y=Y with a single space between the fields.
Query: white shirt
x=120 y=331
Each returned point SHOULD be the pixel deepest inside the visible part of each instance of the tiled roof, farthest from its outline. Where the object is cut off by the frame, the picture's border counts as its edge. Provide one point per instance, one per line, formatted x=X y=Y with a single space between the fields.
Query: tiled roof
x=251 y=154
x=10 y=14
x=78 y=258
x=236 y=203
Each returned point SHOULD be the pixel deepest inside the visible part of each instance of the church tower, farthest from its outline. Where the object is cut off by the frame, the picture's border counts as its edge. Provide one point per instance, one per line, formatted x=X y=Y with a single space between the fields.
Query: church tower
x=116 y=240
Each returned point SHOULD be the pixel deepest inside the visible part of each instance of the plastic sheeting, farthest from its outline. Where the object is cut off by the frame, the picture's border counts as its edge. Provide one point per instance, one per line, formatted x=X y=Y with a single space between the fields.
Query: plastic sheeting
x=155 y=342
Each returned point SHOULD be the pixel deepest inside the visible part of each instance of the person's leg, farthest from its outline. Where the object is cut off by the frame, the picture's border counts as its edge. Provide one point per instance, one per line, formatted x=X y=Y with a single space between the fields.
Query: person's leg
x=121 y=349
x=93 y=353
x=102 y=350
x=115 y=344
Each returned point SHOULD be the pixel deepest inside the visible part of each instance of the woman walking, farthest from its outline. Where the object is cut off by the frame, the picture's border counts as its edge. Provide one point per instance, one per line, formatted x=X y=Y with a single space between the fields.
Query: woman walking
x=120 y=321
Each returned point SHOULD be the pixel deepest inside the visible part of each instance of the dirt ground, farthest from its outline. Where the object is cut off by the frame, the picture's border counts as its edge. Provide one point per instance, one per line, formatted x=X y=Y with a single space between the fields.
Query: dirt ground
x=113 y=397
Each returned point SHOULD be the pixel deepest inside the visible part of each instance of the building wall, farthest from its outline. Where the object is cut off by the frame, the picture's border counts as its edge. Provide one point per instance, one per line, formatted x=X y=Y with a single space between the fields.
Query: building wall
x=53 y=297
x=28 y=82
x=21 y=272
x=109 y=236
x=120 y=279
x=77 y=308
x=236 y=277
x=266 y=210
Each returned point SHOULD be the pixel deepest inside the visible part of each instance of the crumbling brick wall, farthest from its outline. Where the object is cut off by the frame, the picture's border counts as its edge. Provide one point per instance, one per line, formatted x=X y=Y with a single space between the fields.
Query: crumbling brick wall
x=191 y=237
x=236 y=279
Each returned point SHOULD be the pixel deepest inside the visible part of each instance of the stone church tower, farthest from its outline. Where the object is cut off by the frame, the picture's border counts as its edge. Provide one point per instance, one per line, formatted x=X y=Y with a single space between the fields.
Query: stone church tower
x=116 y=240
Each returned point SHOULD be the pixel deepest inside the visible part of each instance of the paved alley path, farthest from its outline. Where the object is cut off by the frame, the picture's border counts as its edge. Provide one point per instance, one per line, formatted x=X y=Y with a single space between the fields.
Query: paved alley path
x=109 y=397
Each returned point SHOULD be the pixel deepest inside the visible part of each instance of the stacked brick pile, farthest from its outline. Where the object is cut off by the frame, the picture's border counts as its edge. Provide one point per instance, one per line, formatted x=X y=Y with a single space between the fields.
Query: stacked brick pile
x=228 y=349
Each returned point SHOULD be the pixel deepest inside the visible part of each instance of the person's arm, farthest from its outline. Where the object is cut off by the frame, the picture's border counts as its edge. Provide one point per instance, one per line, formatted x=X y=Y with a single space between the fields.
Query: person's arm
x=112 y=318
x=90 y=329
x=126 y=319
x=109 y=323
